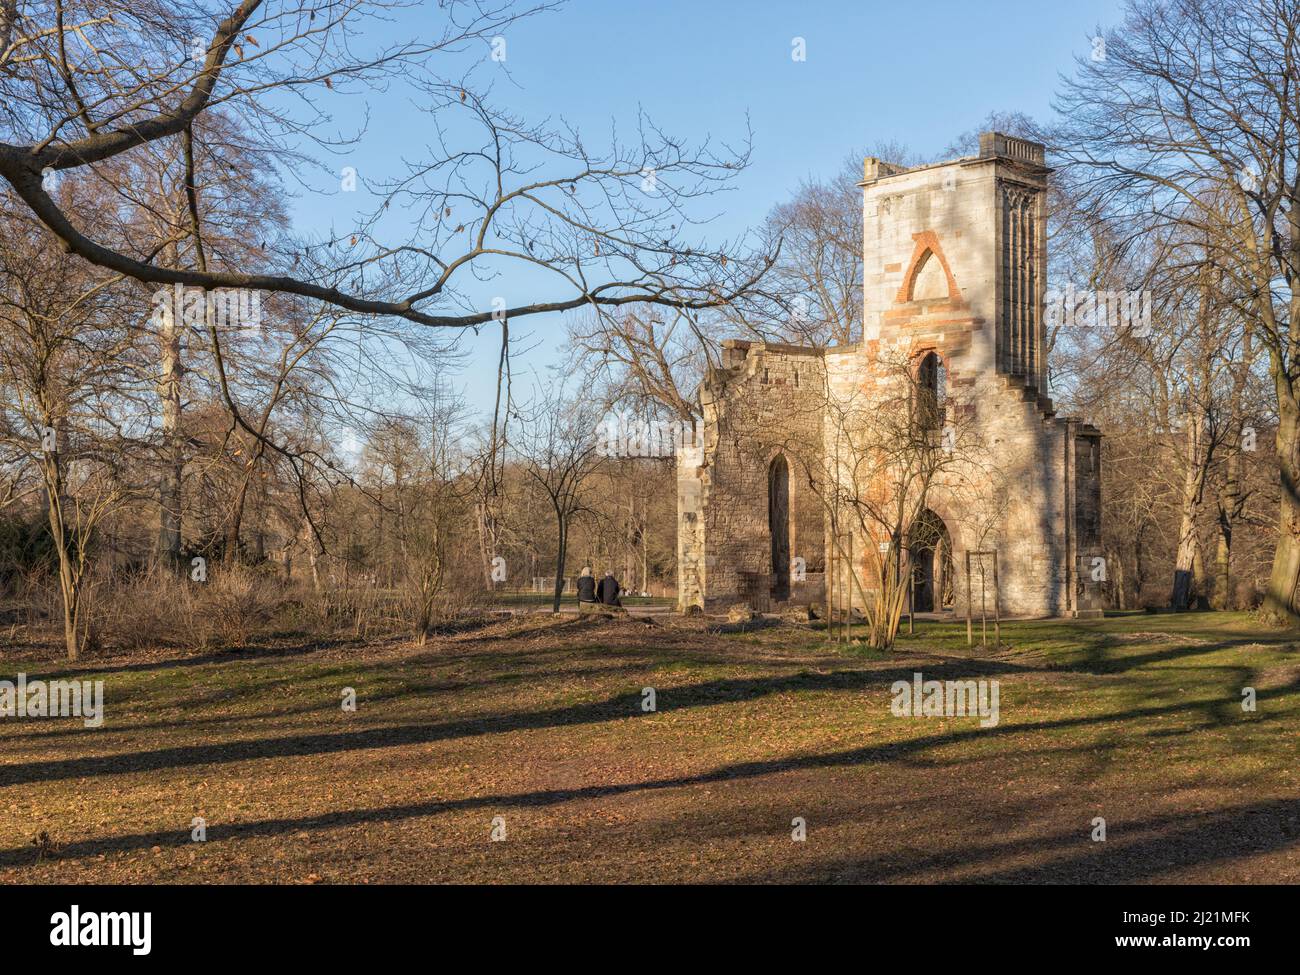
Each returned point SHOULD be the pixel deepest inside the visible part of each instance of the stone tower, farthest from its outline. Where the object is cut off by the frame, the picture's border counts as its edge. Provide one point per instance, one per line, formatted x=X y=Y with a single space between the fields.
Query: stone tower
x=954 y=272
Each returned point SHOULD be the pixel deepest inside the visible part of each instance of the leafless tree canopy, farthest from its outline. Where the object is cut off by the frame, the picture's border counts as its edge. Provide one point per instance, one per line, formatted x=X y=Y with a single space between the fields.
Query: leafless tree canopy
x=85 y=86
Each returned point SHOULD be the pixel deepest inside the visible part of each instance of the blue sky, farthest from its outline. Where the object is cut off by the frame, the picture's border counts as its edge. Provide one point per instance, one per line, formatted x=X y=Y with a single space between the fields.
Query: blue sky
x=917 y=73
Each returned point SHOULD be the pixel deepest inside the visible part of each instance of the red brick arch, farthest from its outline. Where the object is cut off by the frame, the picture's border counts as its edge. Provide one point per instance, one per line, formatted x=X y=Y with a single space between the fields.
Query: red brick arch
x=927 y=245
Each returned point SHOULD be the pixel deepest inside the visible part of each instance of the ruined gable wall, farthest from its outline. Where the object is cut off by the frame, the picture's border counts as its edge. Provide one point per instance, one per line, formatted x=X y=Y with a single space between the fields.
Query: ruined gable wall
x=766 y=399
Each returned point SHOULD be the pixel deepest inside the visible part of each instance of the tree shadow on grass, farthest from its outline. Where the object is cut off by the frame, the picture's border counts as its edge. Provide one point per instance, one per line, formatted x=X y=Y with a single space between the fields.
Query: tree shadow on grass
x=1099 y=657
x=620 y=707
x=1160 y=843
x=225 y=656
x=901 y=751
x=1134 y=851
x=412 y=695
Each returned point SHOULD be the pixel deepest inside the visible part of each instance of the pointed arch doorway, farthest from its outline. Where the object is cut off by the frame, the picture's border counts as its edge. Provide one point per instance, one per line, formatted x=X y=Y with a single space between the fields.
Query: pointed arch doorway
x=778 y=524
x=930 y=553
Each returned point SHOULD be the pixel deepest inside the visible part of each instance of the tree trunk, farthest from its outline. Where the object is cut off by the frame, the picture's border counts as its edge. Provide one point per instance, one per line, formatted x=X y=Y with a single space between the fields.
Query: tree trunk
x=1230 y=498
x=1196 y=461
x=69 y=578
x=630 y=545
x=313 y=562
x=1139 y=567
x=1223 y=562
x=1280 y=601
x=559 y=563
x=173 y=449
x=486 y=541
x=69 y=588
x=234 y=526
x=1200 y=584
x=1229 y=510
x=259 y=527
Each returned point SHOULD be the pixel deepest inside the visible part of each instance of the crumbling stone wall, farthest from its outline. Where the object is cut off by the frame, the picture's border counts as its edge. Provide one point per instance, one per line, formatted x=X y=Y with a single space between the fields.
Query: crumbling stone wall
x=765 y=400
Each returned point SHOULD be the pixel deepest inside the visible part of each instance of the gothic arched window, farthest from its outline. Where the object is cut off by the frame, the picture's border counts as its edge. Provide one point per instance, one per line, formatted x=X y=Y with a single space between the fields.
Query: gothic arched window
x=931 y=392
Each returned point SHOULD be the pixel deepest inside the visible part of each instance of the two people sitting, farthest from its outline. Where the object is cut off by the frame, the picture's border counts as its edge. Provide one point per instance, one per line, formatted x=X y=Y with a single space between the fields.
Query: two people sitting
x=604 y=592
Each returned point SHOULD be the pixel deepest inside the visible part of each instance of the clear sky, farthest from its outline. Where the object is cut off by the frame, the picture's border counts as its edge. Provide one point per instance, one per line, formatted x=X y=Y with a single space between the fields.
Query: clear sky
x=919 y=73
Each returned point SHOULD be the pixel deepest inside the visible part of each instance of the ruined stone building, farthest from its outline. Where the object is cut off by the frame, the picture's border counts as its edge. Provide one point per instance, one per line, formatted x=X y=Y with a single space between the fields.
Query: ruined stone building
x=954 y=260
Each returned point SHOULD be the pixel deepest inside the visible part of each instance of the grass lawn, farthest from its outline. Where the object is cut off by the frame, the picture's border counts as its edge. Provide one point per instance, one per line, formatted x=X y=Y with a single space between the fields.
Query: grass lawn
x=539 y=721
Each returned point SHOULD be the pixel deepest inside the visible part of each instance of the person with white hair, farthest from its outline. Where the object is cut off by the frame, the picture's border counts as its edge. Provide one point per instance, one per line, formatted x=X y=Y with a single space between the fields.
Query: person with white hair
x=586 y=586
x=608 y=590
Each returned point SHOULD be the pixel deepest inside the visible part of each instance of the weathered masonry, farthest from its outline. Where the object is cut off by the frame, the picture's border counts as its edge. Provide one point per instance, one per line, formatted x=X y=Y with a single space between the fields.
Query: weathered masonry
x=954 y=259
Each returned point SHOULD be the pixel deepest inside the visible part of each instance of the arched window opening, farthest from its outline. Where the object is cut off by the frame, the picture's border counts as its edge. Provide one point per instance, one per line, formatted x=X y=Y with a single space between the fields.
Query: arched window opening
x=931 y=392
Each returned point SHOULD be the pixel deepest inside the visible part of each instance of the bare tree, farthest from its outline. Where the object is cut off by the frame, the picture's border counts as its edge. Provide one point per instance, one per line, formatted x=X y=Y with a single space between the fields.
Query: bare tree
x=67 y=356
x=1190 y=120
x=428 y=501
x=559 y=448
x=609 y=228
x=892 y=452
x=644 y=361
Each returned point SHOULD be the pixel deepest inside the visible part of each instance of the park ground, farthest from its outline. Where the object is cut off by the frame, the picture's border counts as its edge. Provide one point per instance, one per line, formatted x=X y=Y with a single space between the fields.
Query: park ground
x=537 y=724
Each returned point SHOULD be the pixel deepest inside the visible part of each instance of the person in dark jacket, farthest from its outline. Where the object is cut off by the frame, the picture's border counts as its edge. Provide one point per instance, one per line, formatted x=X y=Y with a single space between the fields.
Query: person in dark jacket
x=607 y=591
x=586 y=586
